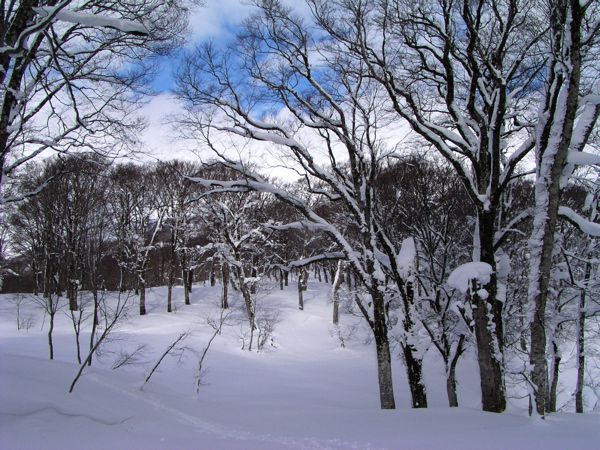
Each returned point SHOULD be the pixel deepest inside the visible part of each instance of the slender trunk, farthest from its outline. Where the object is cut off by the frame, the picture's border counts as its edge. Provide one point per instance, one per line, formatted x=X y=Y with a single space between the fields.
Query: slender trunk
x=190 y=280
x=77 y=328
x=451 y=374
x=335 y=293
x=72 y=295
x=169 y=297
x=225 y=281
x=581 y=345
x=286 y=276
x=248 y=302
x=142 y=291
x=552 y=147
x=451 y=387
x=281 y=279
x=300 y=296
x=50 y=330
x=302 y=284
x=186 y=287
x=556 y=358
x=94 y=324
x=325 y=275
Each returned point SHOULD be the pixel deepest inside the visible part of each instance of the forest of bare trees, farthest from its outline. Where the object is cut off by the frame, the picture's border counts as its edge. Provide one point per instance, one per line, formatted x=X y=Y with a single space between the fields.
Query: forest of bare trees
x=476 y=234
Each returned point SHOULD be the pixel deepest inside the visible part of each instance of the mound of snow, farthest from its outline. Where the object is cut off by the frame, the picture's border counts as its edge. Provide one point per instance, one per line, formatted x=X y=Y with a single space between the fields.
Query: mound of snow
x=461 y=277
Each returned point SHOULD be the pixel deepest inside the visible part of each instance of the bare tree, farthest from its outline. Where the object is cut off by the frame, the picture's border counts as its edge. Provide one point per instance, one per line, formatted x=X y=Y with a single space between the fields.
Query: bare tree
x=466 y=76
x=113 y=312
x=68 y=71
x=567 y=116
x=343 y=109
x=137 y=222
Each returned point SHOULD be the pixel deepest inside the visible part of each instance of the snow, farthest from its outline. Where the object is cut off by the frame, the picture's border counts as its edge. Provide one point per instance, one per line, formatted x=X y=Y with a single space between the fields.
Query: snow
x=406 y=257
x=306 y=392
x=460 y=278
x=93 y=20
x=583 y=158
x=591 y=228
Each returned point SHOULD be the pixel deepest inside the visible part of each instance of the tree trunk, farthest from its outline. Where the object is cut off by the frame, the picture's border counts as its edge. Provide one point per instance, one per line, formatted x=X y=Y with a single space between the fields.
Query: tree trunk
x=382 y=344
x=286 y=276
x=490 y=367
x=335 y=293
x=247 y=296
x=190 y=280
x=300 y=296
x=94 y=324
x=72 y=295
x=50 y=330
x=225 y=285
x=487 y=315
x=302 y=284
x=169 y=297
x=142 y=290
x=186 y=287
x=581 y=345
x=451 y=374
x=555 y=130
x=551 y=400
x=414 y=370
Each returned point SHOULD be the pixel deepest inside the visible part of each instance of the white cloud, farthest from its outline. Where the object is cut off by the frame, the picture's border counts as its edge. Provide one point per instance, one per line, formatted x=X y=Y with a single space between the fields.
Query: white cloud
x=218 y=19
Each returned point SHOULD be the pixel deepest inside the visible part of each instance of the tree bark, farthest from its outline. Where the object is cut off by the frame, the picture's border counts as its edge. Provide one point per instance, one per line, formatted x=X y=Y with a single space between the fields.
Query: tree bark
x=382 y=344
x=94 y=323
x=555 y=131
x=581 y=345
x=490 y=367
x=142 y=291
x=451 y=374
x=551 y=400
x=487 y=315
x=414 y=369
x=50 y=330
x=225 y=281
x=169 y=298
x=186 y=287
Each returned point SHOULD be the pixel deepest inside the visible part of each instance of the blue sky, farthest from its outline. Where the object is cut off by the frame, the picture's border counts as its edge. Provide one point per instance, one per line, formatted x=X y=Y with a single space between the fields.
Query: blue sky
x=217 y=21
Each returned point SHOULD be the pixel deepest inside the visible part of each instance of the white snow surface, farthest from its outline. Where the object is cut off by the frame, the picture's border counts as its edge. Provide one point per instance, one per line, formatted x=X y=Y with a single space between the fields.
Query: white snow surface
x=406 y=257
x=461 y=277
x=305 y=392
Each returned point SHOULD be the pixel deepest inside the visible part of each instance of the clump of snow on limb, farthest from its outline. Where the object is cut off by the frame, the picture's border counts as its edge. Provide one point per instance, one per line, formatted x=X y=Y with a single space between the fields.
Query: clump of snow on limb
x=461 y=277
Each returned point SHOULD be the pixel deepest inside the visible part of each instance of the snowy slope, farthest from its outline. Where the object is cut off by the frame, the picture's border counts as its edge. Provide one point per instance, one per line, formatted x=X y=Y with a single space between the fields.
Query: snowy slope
x=305 y=392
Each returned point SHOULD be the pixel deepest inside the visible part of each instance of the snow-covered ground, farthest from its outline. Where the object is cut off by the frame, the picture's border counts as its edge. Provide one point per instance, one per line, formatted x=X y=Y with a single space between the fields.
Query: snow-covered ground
x=304 y=391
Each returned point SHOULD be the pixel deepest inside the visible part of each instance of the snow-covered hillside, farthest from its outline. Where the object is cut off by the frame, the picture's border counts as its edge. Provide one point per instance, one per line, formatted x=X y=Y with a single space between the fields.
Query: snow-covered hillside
x=303 y=390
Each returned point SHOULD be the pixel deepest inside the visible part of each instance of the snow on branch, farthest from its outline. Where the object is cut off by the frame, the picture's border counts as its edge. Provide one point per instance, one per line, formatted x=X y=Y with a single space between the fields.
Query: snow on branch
x=327 y=256
x=405 y=260
x=588 y=227
x=94 y=20
x=299 y=225
x=461 y=277
x=583 y=158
